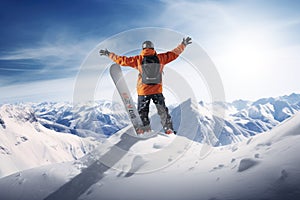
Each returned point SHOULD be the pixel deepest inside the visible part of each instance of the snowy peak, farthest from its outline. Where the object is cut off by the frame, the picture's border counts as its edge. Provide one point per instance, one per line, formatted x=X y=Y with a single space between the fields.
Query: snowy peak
x=196 y=122
x=277 y=109
x=280 y=108
x=25 y=143
x=13 y=116
x=292 y=98
x=223 y=123
x=96 y=119
x=240 y=104
x=18 y=113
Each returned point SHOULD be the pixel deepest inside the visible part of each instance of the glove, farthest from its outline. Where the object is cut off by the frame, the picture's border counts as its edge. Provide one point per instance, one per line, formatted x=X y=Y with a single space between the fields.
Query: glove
x=186 y=41
x=103 y=52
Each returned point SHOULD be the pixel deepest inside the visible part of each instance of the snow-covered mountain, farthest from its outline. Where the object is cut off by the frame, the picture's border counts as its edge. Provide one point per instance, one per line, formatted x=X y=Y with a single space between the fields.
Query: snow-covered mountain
x=25 y=143
x=96 y=119
x=20 y=126
x=197 y=122
x=265 y=166
x=240 y=119
x=269 y=111
x=224 y=123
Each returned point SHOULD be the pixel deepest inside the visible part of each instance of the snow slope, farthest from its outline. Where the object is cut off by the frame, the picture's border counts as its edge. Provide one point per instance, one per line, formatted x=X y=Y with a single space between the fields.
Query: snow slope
x=25 y=143
x=265 y=166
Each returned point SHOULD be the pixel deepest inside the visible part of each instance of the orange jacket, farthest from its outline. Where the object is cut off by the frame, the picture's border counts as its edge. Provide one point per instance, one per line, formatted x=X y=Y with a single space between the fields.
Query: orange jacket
x=136 y=62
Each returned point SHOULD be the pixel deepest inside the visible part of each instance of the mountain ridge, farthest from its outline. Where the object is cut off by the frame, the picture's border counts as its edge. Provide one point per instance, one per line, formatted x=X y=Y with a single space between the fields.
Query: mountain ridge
x=238 y=119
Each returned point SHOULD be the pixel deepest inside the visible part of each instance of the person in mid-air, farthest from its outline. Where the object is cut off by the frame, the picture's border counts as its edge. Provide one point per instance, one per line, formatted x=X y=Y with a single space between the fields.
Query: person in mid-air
x=150 y=65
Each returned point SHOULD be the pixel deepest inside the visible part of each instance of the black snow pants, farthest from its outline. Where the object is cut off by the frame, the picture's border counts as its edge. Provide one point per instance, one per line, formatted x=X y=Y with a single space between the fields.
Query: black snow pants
x=163 y=112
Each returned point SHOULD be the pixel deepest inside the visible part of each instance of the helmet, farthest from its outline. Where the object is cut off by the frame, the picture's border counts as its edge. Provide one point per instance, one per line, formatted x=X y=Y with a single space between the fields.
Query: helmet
x=148 y=44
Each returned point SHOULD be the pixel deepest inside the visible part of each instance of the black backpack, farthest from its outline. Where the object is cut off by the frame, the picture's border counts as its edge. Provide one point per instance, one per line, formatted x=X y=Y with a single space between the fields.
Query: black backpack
x=151 y=73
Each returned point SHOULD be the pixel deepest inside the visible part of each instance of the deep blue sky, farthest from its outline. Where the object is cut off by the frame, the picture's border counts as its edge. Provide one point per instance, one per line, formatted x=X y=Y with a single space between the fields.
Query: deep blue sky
x=252 y=42
x=28 y=22
x=36 y=23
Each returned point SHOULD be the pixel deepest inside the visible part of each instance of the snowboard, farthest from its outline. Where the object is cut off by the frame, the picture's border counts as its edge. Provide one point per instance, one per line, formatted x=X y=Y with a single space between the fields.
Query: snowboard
x=121 y=85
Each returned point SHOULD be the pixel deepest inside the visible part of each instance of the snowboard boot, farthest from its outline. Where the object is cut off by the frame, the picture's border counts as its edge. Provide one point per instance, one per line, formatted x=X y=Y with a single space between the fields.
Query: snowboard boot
x=170 y=131
x=142 y=130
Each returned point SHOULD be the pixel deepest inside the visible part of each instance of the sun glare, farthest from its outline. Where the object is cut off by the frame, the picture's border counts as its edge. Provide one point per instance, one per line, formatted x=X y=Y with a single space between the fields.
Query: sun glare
x=248 y=52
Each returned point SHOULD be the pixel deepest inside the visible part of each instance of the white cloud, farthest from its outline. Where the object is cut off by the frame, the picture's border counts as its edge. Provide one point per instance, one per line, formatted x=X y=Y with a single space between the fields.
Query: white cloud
x=65 y=54
x=53 y=90
x=248 y=45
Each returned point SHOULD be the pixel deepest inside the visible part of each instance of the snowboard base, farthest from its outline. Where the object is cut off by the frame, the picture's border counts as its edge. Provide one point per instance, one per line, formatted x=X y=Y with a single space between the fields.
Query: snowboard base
x=121 y=86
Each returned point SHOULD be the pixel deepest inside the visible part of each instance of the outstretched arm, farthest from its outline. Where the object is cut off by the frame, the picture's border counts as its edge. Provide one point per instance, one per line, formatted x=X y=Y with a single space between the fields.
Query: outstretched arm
x=121 y=60
x=172 y=55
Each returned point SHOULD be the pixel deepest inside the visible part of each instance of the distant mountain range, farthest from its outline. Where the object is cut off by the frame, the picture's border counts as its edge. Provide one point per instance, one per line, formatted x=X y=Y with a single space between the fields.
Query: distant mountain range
x=96 y=119
x=240 y=119
x=223 y=123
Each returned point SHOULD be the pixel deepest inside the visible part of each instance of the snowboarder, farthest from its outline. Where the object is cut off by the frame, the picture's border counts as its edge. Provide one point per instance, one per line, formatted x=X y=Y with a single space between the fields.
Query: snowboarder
x=149 y=85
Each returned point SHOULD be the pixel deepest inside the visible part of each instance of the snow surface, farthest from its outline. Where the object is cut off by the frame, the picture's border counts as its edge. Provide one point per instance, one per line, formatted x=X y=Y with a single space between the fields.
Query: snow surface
x=25 y=143
x=265 y=166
